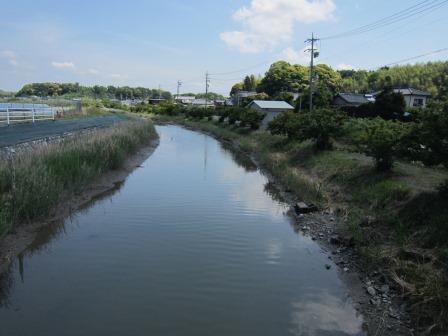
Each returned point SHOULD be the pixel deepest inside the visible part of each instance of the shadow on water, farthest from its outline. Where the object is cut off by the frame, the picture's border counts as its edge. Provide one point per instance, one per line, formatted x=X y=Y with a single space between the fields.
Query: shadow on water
x=241 y=159
x=43 y=237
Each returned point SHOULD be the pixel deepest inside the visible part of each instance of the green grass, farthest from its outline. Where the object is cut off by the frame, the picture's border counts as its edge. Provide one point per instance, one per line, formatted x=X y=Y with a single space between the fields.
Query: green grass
x=31 y=184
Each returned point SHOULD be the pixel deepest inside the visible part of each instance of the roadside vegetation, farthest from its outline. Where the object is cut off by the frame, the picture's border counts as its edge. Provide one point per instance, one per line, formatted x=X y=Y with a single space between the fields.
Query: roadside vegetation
x=32 y=183
x=385 y=177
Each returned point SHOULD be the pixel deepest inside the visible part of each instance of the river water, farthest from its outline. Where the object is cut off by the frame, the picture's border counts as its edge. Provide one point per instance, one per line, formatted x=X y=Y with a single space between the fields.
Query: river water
x=192 y=243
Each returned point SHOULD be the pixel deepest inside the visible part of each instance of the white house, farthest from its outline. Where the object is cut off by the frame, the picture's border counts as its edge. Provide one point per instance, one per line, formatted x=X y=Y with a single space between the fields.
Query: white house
x=272 y=108
x=412 y=97
x=186 y=100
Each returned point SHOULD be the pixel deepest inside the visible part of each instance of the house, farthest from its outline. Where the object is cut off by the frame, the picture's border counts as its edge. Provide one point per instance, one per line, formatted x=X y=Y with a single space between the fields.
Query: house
x=185 y=100
x=240 y=97
x=352 y=99
x=201 y=102
x=272 y=108
x=412 y=97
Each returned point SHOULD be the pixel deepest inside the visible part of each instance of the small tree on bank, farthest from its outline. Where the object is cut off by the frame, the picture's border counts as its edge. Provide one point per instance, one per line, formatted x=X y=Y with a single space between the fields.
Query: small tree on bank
x=381 y=140
x=319 y=126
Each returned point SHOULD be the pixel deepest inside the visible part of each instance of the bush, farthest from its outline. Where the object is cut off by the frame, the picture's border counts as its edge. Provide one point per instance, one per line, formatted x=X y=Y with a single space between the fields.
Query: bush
x=428 y=141
x=319 y=126
x=381 y=139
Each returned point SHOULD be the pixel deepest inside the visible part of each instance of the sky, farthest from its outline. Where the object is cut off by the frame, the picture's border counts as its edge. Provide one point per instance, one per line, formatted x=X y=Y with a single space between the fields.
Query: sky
x=150 y=43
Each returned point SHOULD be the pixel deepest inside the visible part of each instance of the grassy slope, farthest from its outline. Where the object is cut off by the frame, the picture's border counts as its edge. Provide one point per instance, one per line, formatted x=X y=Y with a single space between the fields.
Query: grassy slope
x=31 y=184
x=396 y=218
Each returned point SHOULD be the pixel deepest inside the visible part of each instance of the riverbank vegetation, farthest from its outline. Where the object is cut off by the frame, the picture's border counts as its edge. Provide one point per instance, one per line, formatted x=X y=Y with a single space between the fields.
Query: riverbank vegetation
x=386 y=178
x=33 y=182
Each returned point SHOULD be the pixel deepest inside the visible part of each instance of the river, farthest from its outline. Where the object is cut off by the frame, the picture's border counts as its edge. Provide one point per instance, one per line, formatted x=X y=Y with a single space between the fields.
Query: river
x=192 y=243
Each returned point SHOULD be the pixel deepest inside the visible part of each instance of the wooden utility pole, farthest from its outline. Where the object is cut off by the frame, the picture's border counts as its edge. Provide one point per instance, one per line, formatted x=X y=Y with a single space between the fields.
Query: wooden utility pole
x=179 y=84
x=207 y=82
x=313 y=55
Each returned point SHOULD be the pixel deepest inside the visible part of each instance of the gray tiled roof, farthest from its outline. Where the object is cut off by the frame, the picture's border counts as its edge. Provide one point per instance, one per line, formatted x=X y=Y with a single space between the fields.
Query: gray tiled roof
x=354 y=98
x=272 y=104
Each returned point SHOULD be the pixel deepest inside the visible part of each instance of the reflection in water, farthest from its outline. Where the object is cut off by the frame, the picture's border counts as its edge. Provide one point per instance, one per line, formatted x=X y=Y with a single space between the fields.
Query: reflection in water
x=324 y=314
x=196 y=243
x=41 y=242
x=239 y=158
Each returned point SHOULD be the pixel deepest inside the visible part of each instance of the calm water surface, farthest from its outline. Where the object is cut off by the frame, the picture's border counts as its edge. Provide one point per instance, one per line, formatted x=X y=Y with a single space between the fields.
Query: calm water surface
x=191 y=244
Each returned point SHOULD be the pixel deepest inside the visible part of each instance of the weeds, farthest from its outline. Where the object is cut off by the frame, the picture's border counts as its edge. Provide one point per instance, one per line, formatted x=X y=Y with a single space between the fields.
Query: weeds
x=31 y=184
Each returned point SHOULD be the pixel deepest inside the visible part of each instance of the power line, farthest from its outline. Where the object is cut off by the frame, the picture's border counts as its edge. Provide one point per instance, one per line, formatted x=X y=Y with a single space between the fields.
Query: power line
x=424 y=6
x=418 y=56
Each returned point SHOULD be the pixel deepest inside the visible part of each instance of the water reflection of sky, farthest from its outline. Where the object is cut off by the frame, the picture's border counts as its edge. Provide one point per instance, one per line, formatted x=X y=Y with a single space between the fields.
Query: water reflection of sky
x=324 y=314
x=193 y=244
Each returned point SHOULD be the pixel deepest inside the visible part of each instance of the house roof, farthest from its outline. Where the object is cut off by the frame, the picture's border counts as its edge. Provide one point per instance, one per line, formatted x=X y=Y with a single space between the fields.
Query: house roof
x=272 y=104
x=354 y=98
x=407 y=92
x=412 y=91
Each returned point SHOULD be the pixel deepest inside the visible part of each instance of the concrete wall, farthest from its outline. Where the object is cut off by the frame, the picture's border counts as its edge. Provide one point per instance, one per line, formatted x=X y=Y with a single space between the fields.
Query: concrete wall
x=271 y=114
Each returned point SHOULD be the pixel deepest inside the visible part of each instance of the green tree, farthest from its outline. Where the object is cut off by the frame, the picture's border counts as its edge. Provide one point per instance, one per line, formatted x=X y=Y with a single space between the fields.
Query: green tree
x=380 y=139
x=283 y=76
x=390 y=104
x=320 y=126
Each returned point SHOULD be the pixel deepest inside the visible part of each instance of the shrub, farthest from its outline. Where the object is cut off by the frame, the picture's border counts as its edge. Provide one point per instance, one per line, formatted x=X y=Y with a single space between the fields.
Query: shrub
x=319 y=126
x=380 y=139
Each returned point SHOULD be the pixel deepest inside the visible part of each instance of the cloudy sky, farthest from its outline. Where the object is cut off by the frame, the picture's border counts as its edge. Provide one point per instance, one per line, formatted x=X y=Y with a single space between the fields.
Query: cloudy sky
x=148 y=42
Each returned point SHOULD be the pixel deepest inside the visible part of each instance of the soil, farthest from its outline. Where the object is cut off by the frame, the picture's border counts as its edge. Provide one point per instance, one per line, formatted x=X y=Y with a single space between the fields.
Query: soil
x=17 y=241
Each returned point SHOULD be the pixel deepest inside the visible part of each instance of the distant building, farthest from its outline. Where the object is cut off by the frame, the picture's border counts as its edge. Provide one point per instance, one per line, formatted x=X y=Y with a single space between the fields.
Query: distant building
x=157 y=101
x=186 y=100
x=412 y=97
x=240 y=97
x=272 y=108
x=352 y=99
x=202 y=102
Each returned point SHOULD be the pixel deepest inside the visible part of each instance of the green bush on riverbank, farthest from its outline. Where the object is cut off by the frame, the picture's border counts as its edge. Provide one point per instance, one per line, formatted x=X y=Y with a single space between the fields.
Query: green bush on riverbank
x=32 y=183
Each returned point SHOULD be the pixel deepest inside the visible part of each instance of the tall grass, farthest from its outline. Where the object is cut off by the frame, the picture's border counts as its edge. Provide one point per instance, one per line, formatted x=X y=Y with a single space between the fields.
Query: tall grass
x=32 y=183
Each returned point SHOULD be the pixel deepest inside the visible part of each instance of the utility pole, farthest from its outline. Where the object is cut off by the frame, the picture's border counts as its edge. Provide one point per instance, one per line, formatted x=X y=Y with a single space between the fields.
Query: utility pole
x=160 y=93
x=179 y=84
x=313 y=55
x=207 y=82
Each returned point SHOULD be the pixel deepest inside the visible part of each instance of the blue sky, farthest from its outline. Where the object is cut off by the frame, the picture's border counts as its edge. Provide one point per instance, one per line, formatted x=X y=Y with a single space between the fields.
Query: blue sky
x=147 y=43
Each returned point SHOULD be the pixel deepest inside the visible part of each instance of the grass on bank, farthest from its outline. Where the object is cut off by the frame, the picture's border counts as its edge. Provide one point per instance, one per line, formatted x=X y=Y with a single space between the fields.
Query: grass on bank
x=32 y=183
x=398 y=219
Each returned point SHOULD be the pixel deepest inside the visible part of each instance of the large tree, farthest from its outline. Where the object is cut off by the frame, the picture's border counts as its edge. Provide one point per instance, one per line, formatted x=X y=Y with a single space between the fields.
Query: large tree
x=283 y=76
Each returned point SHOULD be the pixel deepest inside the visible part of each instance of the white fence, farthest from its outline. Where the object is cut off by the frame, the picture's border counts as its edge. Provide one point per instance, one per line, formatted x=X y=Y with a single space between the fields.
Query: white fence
x=13 y=113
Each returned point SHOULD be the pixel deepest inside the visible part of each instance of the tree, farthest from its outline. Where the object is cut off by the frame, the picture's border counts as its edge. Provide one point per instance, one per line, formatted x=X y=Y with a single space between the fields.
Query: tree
x=319 y=126
x=390 y=104
x=283 y=76
x=380 y=139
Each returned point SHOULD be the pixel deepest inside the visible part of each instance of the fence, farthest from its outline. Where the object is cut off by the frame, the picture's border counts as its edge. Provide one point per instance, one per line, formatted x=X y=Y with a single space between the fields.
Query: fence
x=13 y=113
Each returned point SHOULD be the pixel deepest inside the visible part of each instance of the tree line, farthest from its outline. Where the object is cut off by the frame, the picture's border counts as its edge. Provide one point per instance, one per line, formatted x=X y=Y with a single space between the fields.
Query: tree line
x=97 y=91
x=282 y=79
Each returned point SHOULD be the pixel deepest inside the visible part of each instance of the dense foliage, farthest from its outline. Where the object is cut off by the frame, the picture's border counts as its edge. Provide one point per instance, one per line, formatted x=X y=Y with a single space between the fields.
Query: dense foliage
x=319 y=126
x=76 y=90
x=380 y=139
x=431 y=77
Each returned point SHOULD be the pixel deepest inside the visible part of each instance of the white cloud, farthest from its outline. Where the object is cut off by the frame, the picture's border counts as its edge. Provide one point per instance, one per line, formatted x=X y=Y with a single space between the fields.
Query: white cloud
x=10 y=56
x=93 y=71
x=266 y=23
x=344 y=66
x=115 y=76
x=63 y=65
x=295 y=56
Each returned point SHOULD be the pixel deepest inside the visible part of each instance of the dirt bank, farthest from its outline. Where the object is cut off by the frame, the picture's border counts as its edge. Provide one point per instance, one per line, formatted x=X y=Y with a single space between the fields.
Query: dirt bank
x=18 y=240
